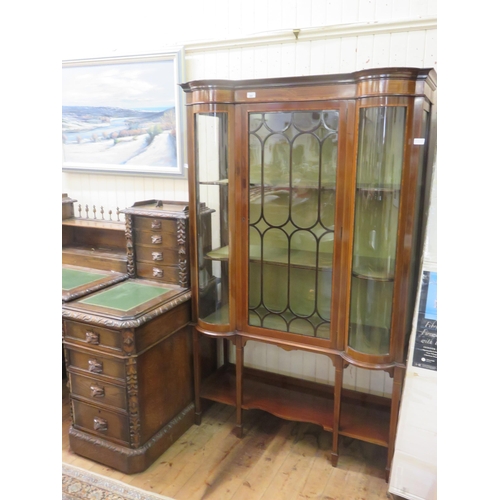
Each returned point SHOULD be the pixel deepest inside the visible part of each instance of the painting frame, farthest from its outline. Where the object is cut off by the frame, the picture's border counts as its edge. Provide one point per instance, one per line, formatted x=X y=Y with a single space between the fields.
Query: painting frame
x=95 y=152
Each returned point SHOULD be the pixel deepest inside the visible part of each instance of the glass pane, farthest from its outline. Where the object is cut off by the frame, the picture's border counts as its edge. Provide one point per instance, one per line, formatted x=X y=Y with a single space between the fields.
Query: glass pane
x=212 y=217
x=255 y=160
x=370 y=319
x=276 y=160
x=293 y=168
x=378 y=185
x=375 y=233
x=381 y=146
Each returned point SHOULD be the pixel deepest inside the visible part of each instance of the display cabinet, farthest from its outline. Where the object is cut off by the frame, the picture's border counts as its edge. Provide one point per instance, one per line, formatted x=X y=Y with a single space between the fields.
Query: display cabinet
x=318 y=187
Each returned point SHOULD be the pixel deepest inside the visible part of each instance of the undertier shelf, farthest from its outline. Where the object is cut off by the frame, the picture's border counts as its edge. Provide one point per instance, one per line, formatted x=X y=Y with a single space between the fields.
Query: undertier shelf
x=362 y=417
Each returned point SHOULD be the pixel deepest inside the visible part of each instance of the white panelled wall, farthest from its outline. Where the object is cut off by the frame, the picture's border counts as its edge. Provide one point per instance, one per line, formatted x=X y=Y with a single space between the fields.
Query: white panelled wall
x=260 y=39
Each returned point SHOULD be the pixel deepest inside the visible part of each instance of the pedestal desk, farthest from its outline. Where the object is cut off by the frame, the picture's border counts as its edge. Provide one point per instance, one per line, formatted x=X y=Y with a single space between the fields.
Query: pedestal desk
x=128 y=354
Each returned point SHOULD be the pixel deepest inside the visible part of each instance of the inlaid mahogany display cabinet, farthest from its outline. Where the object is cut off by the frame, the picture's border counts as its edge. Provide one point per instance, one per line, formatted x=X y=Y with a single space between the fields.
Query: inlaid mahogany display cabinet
x=319 y=189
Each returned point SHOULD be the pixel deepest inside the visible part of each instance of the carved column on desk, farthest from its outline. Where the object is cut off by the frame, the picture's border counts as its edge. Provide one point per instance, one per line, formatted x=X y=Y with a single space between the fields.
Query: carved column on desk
x=128 y=341
x=129 y=235
x=183 y=262
x=133 y=402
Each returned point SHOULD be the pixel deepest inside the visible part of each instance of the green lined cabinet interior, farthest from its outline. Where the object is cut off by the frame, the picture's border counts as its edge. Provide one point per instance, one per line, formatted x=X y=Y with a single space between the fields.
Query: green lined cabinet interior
x=317 y=188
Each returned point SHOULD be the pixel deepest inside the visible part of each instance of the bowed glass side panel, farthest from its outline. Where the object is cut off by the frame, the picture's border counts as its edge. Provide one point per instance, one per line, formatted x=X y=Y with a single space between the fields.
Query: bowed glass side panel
x=378 y=187
x=212 y=217
x=293 y=172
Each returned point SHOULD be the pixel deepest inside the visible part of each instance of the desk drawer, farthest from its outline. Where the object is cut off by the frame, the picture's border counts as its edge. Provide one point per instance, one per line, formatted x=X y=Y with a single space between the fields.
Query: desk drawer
x=102 y=422
x=99 y=391
x=95 y=364
x=165 y=226
x=157 y=255
x=94 y=336
x=165 y=274
x=156 y=239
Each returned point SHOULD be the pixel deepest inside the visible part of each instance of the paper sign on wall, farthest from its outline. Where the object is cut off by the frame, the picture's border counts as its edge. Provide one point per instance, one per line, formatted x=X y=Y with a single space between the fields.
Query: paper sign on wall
x=425 y=351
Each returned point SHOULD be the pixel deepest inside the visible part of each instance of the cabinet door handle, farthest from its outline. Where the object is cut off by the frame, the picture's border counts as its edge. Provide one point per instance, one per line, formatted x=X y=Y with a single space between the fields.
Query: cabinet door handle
x=156 y=225
x=96 y=391
x=95 y=366
x=156 y=239
x=92 y=338
x=157 y=273
x=100 y=424
x=158 y=256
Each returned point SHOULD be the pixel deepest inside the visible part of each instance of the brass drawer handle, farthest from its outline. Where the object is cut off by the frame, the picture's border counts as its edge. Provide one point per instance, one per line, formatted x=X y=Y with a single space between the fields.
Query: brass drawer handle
x=156 y=225
x=100 y=424
x=96 y=391
x=156 y=239
x=95 y=366
x=158 y=256
x=92 y=338
x=157 y=273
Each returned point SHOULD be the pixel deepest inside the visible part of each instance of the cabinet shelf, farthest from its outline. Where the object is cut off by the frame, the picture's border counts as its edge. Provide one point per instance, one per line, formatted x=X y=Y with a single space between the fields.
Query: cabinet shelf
x=218 y=317
x=366 y=423
x=371 y=339
x=221 y=253
x=296 y=400
x=256 y=187
x=373 y=268
x=281 y=396
x=279 y=256
x=373 y=275
x=367 y=188
x=221 y=182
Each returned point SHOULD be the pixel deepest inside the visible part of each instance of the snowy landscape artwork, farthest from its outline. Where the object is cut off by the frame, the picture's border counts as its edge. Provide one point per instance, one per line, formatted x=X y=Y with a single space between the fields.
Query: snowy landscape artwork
x=121 y=115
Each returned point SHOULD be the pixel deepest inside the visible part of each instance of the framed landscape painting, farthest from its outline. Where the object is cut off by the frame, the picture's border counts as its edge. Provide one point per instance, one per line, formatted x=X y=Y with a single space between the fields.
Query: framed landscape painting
x=124 y=114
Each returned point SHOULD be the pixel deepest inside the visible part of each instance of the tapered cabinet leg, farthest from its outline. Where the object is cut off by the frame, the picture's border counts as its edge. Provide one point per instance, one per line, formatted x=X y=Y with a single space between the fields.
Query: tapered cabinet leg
x=239 y=386
x=397 y=389
x=337 y=399
x=197 y=376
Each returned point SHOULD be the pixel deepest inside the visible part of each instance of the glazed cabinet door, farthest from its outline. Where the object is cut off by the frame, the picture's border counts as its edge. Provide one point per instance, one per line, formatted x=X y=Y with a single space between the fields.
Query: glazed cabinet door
x=291 y=161
x=213 y=219
x=386 y=228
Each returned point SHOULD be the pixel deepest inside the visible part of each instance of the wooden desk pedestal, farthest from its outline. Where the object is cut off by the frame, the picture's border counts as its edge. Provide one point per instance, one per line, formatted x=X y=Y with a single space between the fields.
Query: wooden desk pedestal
x=128 y=352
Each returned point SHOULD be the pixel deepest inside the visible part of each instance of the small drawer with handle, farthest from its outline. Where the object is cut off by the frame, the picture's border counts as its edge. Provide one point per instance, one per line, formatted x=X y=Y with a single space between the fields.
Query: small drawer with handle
x=166 y=226
x=93 y=336
x=98 y=391
x=95 y=364
x=102 y=422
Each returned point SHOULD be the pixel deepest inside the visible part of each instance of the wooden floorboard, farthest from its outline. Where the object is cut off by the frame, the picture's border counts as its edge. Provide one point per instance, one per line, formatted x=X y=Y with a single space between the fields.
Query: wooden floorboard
x=275 y=459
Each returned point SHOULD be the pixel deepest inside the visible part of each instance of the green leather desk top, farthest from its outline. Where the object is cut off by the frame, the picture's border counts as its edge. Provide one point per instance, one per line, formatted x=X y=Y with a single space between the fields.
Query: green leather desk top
x=119 y=301
x=81 y=281
x=125 y=296
x=72 y=278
